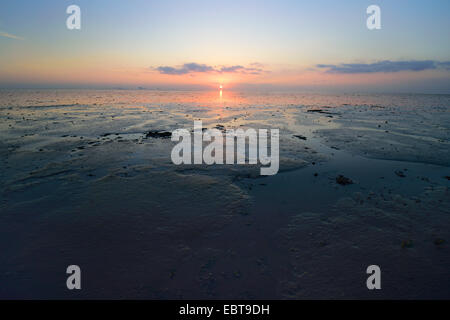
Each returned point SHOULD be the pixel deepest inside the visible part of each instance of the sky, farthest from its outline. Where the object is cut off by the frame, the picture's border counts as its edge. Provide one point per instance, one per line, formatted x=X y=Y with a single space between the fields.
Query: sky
x=321 y=45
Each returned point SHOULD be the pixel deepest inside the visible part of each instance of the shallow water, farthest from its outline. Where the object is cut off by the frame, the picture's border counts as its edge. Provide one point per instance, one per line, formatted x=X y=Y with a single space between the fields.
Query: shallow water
x=82 y=184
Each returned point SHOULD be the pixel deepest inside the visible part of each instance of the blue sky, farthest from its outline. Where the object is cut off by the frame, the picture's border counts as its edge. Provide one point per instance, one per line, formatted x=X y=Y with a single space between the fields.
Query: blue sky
x=125 y=42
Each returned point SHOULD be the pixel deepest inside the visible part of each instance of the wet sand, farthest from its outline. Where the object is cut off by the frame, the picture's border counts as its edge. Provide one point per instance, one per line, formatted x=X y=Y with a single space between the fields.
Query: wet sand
x=84 y=183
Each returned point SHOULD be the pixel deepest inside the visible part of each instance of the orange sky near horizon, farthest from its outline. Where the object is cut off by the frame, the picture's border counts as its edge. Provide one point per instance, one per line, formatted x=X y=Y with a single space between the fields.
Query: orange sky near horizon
x=91 y=74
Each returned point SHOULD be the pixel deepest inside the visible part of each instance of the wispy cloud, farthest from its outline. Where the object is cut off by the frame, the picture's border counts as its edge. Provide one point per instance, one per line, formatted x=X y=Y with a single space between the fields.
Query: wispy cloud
x=241 y=69
x=203 y=68
x=385 y=66
x=257 y=65
x=10 y=36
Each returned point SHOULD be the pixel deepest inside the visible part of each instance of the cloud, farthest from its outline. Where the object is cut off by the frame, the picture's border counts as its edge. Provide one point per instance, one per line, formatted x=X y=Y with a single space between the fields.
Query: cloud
x=444 y=65
x=257 y=65
x=241 y=69
x=10 y=36
x=385 y=66
x=203 y=68
x=185 y=69
x=232 y=69
x=325 y=66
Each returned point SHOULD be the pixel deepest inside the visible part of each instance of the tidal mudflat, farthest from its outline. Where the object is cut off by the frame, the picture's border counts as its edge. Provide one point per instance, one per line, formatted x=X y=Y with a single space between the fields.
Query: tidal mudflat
x=87 y=179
